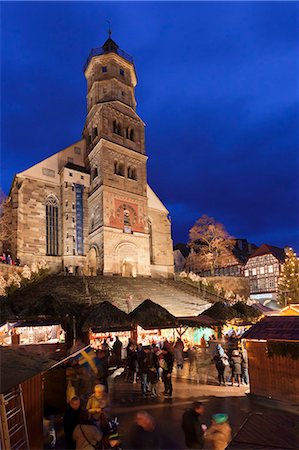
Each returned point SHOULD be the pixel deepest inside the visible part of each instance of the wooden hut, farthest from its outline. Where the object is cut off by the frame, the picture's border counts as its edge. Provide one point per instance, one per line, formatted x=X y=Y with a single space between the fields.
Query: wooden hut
x=22 y=391
x=273 y=356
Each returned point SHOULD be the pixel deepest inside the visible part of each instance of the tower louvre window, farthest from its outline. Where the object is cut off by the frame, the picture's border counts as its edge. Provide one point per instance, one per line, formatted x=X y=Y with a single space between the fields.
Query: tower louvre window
x=117 y=128
x=121 y=72
x=131 y=173
x=119 y=168
x=94 y=173
x=52 y=225
x=94 y=132
x=104 y=69
x=130 y=134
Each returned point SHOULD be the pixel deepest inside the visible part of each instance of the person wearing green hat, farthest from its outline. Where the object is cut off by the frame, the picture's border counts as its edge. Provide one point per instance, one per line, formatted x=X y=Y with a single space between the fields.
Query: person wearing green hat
x=218 y=436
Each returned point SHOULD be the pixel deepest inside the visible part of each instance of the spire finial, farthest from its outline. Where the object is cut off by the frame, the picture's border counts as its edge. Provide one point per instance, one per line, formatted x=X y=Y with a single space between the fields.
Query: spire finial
x=109 y=29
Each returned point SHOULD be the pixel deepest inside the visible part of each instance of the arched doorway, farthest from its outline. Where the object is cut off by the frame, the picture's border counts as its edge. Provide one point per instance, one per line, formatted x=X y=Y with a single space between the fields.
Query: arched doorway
x=126 y=259
x=92 y=262
x=129 y=268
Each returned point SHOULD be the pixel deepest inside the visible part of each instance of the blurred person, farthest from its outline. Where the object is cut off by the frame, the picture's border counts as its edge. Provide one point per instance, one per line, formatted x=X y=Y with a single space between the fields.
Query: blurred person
x=70 y=421
x=144 y=434
x=116 y=350
x=244 y=367
x=179 y=353
x=218 y=435
x=221 y=362
x=152 y=375
x=86 y=435
x=97 y=402
x=235 y=363
x=142 y=358
x=193 y=427
x=167 y=366
x=102 y=368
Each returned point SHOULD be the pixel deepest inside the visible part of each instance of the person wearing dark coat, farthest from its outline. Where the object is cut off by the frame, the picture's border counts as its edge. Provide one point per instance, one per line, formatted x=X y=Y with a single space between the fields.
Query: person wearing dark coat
x=152 y=375
x=142 y=358
x=116 y=349
x=144 y=434
x=70 y=421
x=167 y=371
x=192 y=426
x=235 y=363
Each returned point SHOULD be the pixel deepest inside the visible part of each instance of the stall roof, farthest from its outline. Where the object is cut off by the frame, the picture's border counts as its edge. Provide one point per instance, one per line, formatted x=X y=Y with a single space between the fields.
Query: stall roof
x=197 y=321
x=220 y=311
x=107 y=317
x=21 y=363
x=275 y=328
x=39 y=321
x=149 y=315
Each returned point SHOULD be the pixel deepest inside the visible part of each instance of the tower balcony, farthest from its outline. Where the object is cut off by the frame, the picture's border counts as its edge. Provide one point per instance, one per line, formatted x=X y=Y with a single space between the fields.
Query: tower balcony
x=103 y=51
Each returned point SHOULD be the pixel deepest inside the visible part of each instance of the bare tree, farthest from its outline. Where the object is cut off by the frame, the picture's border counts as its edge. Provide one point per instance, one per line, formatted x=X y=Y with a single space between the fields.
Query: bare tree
x=211 y=242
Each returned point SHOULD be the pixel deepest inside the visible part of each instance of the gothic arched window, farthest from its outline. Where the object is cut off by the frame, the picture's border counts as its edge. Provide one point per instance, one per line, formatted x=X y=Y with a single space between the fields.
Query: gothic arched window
x=150 y=230
x=52 y=225
x=131 y=137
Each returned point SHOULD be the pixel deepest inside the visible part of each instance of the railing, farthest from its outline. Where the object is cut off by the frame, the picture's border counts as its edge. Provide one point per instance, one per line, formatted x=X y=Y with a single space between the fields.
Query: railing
x=100 y=51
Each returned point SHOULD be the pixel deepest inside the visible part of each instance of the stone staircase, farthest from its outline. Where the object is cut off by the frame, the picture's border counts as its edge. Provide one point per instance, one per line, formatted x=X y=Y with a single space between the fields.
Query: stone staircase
x=177 y=297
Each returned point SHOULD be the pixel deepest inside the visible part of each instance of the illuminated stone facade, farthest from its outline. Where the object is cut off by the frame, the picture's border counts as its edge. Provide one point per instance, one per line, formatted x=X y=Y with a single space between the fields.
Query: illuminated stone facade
x=89 y=206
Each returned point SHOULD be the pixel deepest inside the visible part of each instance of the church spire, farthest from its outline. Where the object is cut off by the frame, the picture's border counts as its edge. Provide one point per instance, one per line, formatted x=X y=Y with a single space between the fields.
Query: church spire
x=110 y=46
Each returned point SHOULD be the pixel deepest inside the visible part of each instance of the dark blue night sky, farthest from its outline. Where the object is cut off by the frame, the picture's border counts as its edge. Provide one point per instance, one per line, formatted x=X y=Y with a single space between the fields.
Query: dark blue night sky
x=217 y=90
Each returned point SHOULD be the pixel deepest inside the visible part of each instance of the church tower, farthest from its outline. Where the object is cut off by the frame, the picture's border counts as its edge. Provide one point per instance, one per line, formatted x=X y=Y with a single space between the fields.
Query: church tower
x=119 y=228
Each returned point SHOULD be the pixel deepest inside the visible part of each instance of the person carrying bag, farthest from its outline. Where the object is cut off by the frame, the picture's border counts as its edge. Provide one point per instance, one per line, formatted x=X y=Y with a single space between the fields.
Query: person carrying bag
x=86 y=435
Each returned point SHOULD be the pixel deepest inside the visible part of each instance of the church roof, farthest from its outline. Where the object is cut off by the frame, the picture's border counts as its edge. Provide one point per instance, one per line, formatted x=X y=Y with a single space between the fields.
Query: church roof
x=110 y=46
x=154 y=202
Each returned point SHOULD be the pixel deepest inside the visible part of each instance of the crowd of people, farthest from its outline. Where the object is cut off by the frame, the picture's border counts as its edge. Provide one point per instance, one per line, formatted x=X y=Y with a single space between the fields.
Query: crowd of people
x=90 y=427
x=232 y=368
x=6 y=258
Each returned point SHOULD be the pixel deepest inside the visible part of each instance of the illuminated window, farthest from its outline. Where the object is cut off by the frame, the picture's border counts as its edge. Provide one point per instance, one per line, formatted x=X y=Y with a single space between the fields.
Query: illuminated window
x=262 y=270
x=253 y=272
x=270 y=269
x=246 y=273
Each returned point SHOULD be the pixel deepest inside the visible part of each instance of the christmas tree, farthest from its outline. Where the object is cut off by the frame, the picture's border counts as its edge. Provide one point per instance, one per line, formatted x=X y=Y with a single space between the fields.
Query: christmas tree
x=288 y=283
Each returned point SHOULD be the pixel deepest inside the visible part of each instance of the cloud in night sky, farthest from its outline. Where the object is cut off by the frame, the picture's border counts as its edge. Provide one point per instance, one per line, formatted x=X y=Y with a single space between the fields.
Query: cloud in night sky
x=218 y=91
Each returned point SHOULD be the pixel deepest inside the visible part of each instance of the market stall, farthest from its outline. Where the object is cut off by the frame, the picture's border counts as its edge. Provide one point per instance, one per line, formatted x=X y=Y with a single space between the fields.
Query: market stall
x=154 y=323
x=38 y=331
x=104 y=322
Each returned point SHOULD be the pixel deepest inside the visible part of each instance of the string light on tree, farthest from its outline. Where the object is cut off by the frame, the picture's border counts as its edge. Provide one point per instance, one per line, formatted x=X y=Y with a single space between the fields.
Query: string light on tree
x=288 y=283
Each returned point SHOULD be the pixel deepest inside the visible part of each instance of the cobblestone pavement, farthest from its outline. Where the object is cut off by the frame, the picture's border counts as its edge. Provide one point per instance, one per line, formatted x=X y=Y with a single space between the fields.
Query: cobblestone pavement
x=255 y=426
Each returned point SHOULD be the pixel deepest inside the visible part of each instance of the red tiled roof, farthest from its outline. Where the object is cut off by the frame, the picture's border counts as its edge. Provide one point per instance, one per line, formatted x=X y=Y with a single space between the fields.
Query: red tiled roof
x=266 y=249
x=276 y=328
